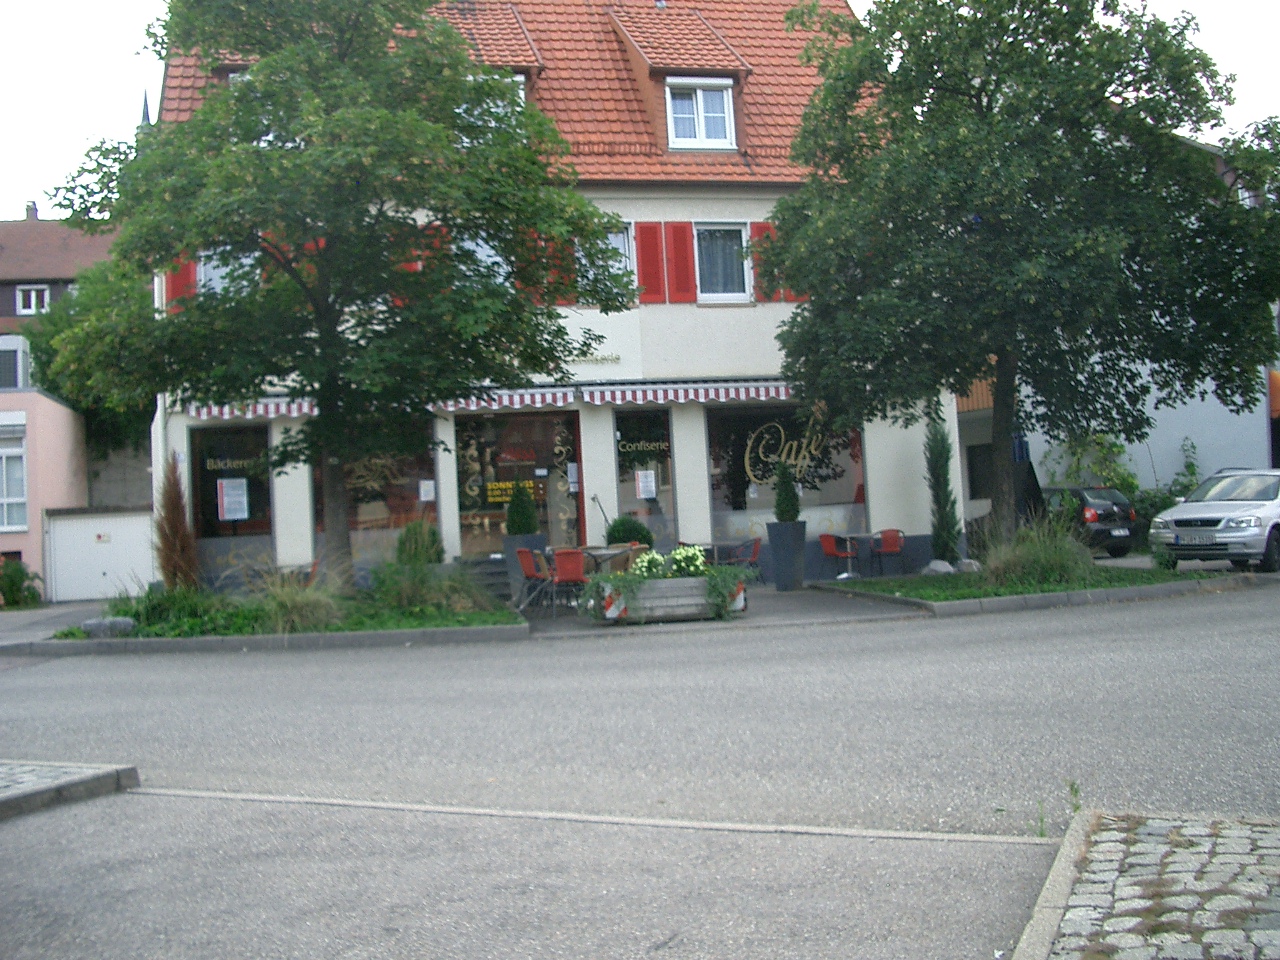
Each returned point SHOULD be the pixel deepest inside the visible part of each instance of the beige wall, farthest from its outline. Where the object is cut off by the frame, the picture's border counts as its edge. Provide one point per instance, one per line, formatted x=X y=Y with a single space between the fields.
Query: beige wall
x=56 y=467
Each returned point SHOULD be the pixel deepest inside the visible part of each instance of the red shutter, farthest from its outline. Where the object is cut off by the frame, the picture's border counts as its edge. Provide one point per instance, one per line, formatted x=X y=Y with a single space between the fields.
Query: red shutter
x=682 y=277
x=650 y=274
x=758 y=232
x=182 y=280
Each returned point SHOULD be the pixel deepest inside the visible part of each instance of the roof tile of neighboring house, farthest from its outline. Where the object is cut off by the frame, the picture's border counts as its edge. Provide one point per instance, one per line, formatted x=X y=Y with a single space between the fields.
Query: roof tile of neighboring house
x=678 y=40
x=584 y=81
x=497 y=33
x=47 y=250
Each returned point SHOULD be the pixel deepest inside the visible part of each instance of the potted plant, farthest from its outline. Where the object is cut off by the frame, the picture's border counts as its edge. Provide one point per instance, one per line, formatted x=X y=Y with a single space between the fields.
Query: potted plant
x=522 y=531
x=786 y=536
x=678 y=587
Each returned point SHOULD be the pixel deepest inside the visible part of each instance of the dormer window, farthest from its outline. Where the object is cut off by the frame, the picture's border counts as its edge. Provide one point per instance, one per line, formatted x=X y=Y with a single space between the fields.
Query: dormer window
x=700 y=113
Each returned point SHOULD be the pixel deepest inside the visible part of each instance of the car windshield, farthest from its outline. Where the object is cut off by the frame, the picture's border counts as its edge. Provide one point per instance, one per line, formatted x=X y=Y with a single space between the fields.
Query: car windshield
x=1248 y=486
x=1105 y=495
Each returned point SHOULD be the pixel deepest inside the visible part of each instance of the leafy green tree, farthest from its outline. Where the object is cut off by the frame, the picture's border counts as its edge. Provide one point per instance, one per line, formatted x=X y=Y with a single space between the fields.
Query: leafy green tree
x=998 y=192
x=82 y=351
x=385 y=225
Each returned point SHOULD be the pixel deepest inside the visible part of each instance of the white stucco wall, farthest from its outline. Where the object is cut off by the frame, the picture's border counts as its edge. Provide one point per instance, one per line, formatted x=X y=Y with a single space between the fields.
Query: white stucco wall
x=598 y=470
x=690 y=473
x=292 y=508
x=1222 y=439
x=897 y=494
x=447 y=484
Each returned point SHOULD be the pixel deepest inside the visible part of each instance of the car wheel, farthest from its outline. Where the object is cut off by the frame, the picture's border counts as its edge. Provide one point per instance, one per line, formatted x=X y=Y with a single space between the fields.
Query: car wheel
x=1271 y=556
x=1118 y=550
x=1240 y=564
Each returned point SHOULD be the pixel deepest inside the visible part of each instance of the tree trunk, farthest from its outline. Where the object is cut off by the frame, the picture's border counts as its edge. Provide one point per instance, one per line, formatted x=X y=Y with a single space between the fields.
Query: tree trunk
x=1004 y=396
x=335 y=554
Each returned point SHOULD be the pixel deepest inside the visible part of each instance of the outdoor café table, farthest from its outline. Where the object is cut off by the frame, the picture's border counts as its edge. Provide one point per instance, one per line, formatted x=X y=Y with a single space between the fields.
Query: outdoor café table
x=720 y=550
x=600 y=556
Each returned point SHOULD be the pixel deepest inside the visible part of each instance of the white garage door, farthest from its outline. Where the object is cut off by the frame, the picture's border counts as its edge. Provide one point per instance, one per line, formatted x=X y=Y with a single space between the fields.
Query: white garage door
x=95 y=556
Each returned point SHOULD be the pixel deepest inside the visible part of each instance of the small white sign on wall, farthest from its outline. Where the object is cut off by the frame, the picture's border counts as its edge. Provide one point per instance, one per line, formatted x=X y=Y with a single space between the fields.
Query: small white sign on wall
x=233 y=498
x=426 y=491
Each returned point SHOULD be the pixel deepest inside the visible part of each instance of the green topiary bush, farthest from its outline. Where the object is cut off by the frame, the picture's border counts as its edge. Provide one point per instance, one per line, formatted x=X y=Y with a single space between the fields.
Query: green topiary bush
x=627 y=529
x=522 y=512
x=786 y=501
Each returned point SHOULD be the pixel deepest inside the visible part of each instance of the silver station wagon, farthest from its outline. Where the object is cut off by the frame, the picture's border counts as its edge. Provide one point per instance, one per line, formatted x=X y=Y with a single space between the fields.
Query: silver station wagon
x=1234 y=515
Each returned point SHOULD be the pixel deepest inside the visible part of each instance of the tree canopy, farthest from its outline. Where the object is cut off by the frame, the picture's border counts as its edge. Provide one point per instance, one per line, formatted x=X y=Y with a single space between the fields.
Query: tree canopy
x=82 y=350
x=382 y=224
x=999 y=192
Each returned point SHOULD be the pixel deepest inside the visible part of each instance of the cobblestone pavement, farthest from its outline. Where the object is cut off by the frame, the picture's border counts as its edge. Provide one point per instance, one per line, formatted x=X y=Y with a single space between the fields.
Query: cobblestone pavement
x=26 y=786
x=1175 y=889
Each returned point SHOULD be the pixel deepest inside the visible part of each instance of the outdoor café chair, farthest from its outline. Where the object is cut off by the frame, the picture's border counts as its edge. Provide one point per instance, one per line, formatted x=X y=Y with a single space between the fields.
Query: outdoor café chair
x=568 y=575
x=888 y=543
x=831 y=550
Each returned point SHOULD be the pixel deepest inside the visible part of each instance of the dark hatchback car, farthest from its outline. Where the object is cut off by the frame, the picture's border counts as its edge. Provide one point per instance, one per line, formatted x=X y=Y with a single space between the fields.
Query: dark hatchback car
x=1105 y=516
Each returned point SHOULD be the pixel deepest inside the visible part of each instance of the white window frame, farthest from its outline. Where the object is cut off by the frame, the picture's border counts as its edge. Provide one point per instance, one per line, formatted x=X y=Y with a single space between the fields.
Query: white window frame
x=699 y=86
x=748 y=277
x=13 y=446
x=35 y=308
x=627 y=247
x=19 y=345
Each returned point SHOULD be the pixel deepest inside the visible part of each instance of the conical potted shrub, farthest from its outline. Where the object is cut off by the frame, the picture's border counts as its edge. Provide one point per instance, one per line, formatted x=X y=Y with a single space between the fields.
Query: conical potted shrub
x=522 y=531
x=786 y=536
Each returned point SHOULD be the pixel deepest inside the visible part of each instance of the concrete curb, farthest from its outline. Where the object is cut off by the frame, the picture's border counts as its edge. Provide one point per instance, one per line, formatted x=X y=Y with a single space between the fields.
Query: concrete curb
x=356 y=639
x=64 y=783
x=1072 y=598
x=1038 y=935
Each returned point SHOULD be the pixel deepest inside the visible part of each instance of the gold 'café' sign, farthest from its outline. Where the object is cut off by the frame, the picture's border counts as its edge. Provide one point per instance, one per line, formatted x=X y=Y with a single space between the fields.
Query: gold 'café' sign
x=769 y=444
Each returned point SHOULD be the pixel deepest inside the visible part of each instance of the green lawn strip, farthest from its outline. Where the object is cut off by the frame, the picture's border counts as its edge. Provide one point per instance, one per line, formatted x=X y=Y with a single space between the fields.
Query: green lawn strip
x=969 y=586
x=357 y=615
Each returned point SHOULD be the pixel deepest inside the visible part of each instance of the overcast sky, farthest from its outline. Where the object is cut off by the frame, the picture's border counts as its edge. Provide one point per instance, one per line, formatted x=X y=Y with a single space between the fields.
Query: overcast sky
x=74 y=73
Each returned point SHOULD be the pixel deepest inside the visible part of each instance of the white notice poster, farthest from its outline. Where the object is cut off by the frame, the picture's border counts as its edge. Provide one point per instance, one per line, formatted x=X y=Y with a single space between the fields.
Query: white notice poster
x=426 y=491
x=233 y=499
x=646 y=484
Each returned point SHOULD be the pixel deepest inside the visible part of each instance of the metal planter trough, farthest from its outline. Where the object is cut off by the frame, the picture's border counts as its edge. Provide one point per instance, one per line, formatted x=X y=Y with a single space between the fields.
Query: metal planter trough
x=658 y=601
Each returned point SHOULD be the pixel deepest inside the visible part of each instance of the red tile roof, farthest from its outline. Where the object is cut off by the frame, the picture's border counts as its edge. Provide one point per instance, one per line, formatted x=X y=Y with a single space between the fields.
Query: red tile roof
x=678 y=40
x=37 y=251
x=497 y=33
x=585 y=83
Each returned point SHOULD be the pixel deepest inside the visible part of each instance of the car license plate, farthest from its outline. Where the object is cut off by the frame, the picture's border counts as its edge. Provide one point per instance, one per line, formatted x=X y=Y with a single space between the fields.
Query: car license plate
x=1194 y=539
x=1120 y=532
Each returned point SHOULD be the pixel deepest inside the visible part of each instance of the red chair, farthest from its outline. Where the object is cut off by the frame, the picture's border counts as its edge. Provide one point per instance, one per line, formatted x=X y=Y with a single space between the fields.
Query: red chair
x=888 y=543
x=746 y=554
x=537 y=577
x=831 y=550
x=569 y=575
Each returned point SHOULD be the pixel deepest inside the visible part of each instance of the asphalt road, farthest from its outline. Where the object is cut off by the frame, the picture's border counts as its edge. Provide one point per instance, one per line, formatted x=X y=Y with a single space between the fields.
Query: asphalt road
x=969 y=726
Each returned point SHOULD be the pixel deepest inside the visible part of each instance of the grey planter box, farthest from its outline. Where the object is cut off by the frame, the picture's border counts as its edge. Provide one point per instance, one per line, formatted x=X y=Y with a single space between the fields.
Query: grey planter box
x=680 y=598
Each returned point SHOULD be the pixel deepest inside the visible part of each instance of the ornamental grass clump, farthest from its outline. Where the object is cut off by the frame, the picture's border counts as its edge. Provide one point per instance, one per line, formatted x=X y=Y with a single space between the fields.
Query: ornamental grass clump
x=1043 y=552
x=427 y=587
x=419 y=544
x=291 y=604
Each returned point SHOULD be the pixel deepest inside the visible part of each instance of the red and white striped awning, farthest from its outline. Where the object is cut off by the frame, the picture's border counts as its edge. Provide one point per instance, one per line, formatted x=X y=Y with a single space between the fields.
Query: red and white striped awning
x=513 y=399
x=263 y=409
x=687 y=392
